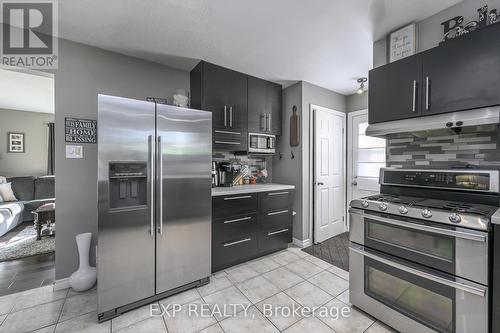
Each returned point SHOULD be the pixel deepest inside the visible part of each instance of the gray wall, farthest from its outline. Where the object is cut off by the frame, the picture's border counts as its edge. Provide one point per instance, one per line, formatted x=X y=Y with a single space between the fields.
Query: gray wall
x=298 y=171
x=356 y=102
x=33 y=162
x=288 y=170
x=430 y=31
x=83 y=73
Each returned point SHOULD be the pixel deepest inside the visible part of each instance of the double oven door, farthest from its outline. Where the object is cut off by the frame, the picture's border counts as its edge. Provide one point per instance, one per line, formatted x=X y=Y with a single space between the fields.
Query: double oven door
x=419 y=276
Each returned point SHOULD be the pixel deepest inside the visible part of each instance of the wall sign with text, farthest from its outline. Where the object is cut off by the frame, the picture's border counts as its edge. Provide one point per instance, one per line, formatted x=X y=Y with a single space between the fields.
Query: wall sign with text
x=80 y=130
x=403 y=42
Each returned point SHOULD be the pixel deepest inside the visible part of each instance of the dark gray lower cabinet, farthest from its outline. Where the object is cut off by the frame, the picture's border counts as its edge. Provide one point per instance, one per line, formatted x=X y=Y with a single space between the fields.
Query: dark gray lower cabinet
x=250 y=225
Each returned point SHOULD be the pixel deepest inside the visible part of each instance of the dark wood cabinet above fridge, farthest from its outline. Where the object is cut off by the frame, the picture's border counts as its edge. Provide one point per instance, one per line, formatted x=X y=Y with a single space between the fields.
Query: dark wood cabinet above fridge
x=461 y=74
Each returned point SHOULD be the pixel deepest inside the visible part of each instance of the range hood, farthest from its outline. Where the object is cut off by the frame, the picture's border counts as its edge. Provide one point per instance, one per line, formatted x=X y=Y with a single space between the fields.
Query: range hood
x=451 y=121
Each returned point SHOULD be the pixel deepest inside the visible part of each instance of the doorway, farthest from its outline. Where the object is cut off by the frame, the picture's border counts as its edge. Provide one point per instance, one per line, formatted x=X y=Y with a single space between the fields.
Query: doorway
x=366 y=155
x=329 y=139
x=27 y=178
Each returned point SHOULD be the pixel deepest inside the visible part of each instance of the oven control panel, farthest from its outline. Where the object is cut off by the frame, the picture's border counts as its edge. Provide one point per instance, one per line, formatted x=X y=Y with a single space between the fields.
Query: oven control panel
x=469 y=180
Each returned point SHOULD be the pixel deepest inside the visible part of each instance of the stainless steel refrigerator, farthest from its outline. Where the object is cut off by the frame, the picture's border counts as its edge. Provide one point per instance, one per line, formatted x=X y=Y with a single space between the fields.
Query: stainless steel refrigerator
x=154 y=202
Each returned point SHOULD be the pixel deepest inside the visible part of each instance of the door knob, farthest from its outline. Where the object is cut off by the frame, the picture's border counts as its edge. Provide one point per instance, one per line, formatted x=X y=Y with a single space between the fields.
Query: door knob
x=320 y=183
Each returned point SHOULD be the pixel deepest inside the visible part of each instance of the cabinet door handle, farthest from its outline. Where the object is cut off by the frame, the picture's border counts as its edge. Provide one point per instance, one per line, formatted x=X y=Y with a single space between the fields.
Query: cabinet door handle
x=227 y=132
x=277 y=232
x=228 y=143
x=277 y=213
x=230 y=116
x=237 y=198
x=238 y=220
x=225 y=116
x=427 y=88
x=238 y=242
x=414 y=102
x=277 y=193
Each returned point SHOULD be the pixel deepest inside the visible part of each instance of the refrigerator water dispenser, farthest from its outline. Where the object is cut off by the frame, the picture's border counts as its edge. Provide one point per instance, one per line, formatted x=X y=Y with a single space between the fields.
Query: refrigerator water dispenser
x=128 y=184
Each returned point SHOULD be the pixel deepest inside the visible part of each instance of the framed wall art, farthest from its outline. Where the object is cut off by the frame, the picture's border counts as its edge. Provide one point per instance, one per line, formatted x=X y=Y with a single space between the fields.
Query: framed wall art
x=15 y=142
x=403 y=42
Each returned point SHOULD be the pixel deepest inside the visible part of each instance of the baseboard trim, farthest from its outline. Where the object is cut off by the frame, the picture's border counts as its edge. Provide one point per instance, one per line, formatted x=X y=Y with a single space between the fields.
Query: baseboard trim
x=302 y=243
x=61 y=284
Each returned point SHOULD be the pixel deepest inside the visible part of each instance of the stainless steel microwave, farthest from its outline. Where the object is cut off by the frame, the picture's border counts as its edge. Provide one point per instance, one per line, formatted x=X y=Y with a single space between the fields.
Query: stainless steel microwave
x=261 y=143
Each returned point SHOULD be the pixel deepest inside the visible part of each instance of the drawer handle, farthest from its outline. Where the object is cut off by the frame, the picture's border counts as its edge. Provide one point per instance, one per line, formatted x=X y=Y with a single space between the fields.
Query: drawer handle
x=238 y=242
x=237 y=198
x=228 y=143
x=276 y=213
x=227 y=132
x=237 y=220
x=277 y=232
x=277 y=193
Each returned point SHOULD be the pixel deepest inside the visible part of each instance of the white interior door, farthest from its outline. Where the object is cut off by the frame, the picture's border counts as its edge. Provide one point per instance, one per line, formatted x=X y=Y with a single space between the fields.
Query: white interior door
x=329 y=173
x=367 y=156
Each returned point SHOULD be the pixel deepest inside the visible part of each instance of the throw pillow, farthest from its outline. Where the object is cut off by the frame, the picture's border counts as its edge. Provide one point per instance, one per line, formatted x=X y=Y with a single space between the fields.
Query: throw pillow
x=6 y=192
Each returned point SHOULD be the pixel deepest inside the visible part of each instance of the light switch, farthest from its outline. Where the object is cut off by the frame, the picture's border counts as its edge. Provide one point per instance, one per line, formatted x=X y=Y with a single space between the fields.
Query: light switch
x=74 y=151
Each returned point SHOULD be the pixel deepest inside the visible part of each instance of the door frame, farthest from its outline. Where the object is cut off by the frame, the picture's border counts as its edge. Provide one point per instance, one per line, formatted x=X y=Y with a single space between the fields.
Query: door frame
x=349 y=164
x=311 y=184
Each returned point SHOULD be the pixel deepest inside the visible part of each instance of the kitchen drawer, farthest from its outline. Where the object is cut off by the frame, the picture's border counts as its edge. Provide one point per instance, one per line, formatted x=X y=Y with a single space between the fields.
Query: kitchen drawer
x=234 y=205
x=276 y=218
x=233 y=227
x=274 y=239
x=230 y=140
x=275 y=200
x=234 y=251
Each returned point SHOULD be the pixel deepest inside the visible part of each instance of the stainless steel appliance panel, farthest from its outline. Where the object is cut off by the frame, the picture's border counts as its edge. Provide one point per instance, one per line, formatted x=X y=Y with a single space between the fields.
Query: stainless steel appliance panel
x=466 y=306
x=125 y=253
x=183 y=250
x=467 y=249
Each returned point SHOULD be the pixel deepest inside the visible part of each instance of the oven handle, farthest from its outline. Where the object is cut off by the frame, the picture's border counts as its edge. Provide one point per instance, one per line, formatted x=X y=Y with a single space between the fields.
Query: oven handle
x=456 y=285
x=453 y=233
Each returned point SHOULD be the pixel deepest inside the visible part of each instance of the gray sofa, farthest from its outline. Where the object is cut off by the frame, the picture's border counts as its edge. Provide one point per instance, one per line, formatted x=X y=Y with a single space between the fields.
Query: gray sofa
x=31 y=192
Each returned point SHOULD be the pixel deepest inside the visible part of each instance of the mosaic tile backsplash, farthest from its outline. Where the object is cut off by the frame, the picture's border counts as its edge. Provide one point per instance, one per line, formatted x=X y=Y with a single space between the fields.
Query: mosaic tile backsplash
x=472 y=147
x=255 y=163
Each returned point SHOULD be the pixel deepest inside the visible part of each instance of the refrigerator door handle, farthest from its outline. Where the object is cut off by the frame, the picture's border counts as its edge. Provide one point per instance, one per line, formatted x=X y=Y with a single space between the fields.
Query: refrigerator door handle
x=160 y=187
x=152 y=182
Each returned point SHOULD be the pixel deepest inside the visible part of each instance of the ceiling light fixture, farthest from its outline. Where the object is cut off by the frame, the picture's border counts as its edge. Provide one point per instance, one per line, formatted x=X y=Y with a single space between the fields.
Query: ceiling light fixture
x=361 y=82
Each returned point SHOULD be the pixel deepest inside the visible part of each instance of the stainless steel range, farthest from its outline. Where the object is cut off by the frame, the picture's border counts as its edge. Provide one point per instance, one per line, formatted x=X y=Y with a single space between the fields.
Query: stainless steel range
x=419 y=252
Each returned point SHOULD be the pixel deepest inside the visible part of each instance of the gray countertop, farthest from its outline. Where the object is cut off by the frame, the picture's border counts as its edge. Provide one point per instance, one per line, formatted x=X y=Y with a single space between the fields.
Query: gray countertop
x=217 y=191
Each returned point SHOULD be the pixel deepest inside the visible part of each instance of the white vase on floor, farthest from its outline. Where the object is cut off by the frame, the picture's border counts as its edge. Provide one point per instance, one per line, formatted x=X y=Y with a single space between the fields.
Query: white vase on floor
x=85 y=277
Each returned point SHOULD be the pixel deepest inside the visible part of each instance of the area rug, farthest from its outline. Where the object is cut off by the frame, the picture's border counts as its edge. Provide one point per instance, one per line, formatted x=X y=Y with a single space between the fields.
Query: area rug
x=24 y=244
x=334 y=251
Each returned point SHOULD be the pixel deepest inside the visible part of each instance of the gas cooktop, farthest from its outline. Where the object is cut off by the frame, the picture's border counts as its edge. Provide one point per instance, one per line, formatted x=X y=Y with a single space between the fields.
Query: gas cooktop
x=452 y=206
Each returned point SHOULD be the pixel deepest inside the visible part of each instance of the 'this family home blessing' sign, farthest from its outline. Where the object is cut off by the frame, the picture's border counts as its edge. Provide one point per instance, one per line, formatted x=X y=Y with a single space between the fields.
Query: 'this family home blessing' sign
x=80 y=130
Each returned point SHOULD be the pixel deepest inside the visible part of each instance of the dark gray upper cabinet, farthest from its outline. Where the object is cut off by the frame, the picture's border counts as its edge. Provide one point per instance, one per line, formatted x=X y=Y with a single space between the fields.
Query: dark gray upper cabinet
x=394 y=91
x=463 y=73
x=264 y=106
x=460 y=74
x=224 y=93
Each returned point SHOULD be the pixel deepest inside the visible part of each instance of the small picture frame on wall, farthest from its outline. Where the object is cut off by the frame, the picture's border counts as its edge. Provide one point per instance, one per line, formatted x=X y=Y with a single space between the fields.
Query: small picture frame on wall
x=402 y=42
x=15 y=142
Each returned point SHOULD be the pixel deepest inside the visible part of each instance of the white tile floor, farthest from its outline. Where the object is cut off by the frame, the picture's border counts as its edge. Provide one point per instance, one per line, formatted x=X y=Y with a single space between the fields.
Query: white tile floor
x=285 y=279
